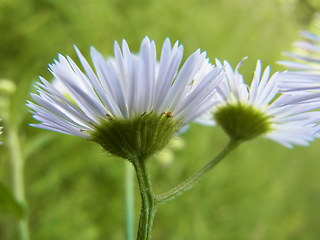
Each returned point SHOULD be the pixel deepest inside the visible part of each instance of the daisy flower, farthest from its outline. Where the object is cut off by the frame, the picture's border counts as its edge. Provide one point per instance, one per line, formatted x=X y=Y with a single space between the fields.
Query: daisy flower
x=261 y=110
x=304 y=68
x=130 y=104
x=307 y=53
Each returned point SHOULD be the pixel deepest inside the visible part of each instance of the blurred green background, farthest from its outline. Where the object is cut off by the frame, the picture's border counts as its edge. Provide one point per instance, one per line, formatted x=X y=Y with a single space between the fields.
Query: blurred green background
x=75 y=190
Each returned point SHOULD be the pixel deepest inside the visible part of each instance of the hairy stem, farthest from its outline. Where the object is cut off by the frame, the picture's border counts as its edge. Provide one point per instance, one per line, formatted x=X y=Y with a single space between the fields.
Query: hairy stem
x=148 y=203
x=191 y=181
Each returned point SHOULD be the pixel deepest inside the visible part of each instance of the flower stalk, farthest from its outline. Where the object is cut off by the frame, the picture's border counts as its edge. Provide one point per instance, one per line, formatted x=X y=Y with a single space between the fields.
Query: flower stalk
x=148 y=201
x=191 y=181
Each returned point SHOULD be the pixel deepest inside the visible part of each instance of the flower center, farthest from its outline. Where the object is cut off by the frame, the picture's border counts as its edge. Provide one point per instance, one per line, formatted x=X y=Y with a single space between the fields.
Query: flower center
x=139 y=137
x=242 y=122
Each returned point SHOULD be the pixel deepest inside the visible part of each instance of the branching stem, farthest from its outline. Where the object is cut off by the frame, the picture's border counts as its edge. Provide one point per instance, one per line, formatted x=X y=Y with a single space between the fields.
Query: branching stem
x=191 y=181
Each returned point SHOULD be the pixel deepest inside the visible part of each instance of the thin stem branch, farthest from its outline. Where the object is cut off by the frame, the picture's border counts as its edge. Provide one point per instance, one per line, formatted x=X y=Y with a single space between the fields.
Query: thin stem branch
x=18 y=178
x=148 y=203
x=129 y=199
x=191 y=181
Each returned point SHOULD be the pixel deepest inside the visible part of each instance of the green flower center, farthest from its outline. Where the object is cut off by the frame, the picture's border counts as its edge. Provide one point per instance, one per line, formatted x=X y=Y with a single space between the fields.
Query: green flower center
x=242 y=122
x=139 y=137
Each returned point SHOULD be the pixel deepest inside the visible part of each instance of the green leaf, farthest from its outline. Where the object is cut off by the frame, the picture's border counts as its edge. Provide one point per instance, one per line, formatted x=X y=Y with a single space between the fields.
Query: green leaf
x=8 y=203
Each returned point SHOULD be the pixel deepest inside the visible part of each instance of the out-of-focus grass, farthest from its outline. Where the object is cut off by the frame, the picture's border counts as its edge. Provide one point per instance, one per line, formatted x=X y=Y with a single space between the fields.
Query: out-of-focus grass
x=75 y=190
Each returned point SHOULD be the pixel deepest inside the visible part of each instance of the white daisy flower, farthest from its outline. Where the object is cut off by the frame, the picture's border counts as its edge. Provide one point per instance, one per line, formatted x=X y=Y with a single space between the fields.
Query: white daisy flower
x=261 y=110
x=304 y=68
x=307 y=55
x=130 y=104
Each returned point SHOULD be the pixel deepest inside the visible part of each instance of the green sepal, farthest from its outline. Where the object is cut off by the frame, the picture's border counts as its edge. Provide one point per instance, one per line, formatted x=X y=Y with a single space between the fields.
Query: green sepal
x=136 y=138
x=242 y=122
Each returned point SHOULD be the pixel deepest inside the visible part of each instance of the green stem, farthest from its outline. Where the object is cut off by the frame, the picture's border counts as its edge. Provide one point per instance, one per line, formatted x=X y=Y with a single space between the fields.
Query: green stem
x=191 y=181
x=148 y=203
x=18 y=178
x=129 y=199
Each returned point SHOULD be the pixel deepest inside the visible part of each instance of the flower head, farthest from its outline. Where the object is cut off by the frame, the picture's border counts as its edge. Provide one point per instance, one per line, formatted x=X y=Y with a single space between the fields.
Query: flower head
x=261 y=110
x=130 y=104
x=304 y=73
x=307 y=55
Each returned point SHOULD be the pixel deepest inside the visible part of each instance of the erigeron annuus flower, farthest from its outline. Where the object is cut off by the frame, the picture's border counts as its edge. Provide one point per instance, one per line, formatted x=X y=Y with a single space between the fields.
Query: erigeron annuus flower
x=304 y=68
x=131 y=105
x=261 y=110
x=306 y=55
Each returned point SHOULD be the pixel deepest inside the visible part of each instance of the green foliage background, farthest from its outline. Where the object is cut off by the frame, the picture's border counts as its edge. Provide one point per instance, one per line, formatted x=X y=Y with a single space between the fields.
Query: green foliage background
x=75 y=190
